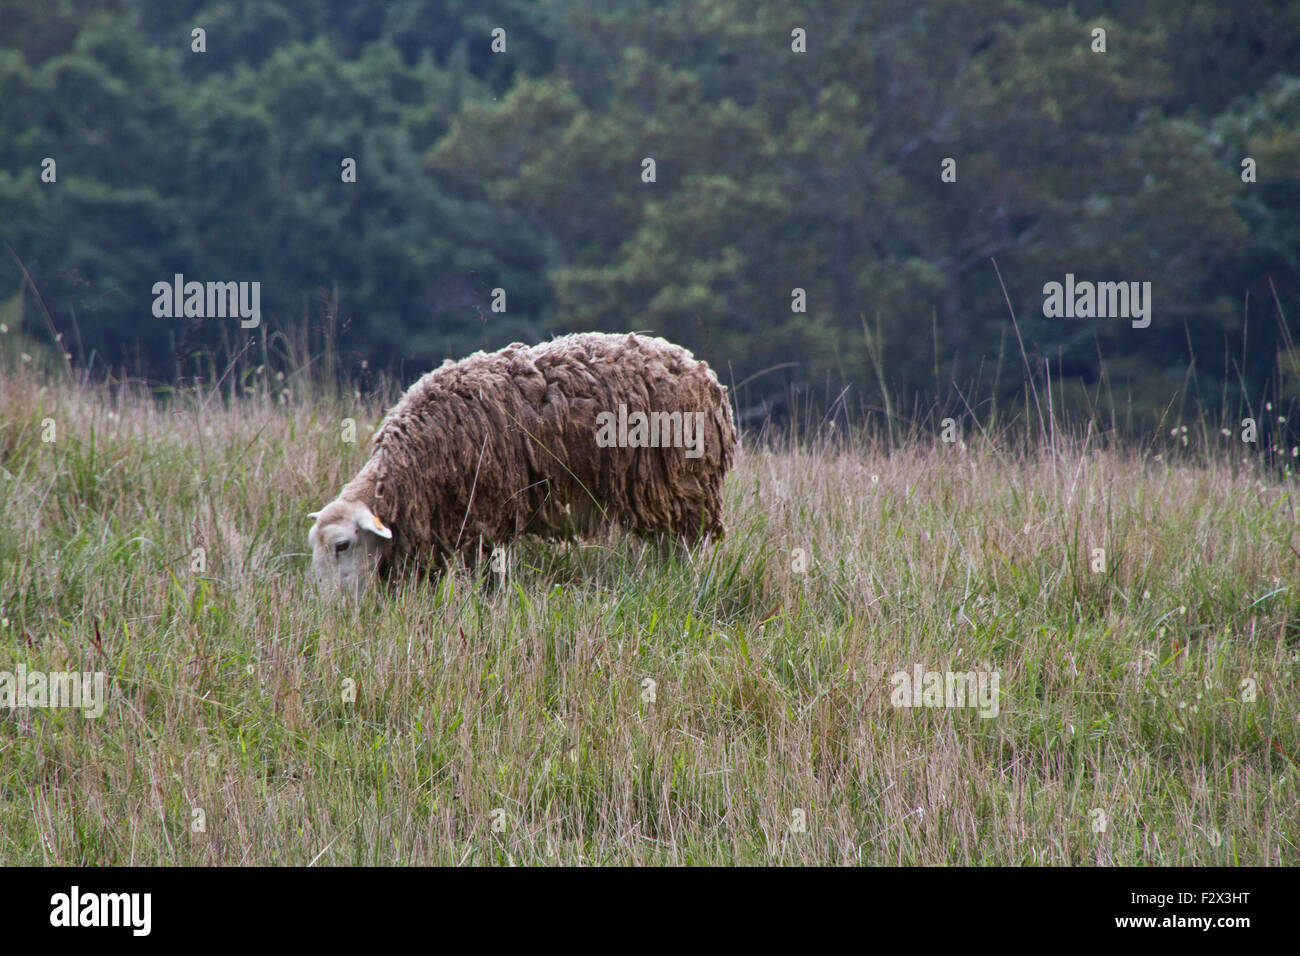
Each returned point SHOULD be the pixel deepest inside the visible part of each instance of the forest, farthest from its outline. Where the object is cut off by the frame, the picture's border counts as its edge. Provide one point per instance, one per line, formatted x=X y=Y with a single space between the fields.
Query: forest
x=851 y=205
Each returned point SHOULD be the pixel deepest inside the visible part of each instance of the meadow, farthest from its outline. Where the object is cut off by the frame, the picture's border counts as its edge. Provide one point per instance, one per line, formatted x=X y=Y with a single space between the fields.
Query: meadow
x=612 y=702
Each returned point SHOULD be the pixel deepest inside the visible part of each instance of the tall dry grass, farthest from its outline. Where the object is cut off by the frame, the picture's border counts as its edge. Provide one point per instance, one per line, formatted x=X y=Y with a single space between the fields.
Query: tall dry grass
x=609 y=703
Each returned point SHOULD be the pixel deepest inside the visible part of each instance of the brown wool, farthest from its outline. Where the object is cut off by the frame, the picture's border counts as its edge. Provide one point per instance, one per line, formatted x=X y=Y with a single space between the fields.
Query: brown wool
x=496 y=445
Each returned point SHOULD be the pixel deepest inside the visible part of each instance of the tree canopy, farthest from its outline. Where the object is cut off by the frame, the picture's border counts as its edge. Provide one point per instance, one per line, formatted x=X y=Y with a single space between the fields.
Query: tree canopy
x=811 y=199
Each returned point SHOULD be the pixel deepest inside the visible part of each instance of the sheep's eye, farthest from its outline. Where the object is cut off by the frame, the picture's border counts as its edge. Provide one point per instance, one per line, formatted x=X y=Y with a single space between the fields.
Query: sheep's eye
x=342 y=546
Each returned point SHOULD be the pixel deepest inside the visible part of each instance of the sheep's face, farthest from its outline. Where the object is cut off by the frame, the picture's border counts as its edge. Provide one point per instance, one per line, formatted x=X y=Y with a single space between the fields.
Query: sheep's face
x=347 y=541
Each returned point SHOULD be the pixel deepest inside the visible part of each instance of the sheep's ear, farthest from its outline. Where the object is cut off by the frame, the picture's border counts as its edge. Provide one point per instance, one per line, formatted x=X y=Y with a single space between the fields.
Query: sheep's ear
x=367 y=521
x=314 y=515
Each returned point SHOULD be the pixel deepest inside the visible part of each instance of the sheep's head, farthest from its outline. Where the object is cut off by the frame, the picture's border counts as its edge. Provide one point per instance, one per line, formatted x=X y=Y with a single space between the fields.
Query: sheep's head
x=347 y=542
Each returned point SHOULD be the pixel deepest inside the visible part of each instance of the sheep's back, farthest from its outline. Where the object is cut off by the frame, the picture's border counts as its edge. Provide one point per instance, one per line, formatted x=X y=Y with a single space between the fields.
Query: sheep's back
x=499 y=443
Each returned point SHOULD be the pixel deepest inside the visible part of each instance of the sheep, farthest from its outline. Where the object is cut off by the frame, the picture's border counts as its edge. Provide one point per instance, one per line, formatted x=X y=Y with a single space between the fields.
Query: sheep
x=562 y=438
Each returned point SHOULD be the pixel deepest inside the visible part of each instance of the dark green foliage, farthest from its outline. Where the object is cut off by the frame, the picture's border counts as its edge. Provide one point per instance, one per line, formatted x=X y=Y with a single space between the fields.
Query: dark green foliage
x=775 y=170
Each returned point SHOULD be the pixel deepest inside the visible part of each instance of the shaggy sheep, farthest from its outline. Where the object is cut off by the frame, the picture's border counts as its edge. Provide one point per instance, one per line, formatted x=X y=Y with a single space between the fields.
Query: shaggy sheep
x=562 y=437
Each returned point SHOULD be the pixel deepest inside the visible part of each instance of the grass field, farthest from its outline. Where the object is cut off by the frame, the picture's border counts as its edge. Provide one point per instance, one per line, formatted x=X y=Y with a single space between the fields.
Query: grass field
x=611 y=704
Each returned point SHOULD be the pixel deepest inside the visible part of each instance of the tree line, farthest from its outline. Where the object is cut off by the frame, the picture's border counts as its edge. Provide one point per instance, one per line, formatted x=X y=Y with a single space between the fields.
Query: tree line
x=863 y=199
